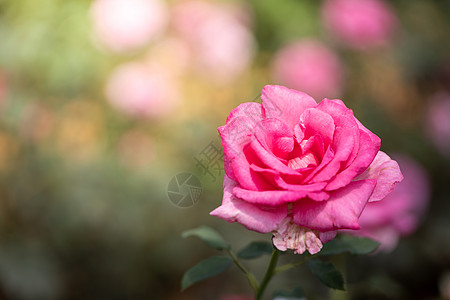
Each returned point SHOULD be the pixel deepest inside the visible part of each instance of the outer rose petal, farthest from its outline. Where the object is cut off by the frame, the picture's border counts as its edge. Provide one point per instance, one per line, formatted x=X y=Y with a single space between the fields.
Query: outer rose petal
x=276 y=197
x=235 y=139
x=258 y=218
x=341 y=211
x=285 y=104
x=386 y=172
x=250 y=110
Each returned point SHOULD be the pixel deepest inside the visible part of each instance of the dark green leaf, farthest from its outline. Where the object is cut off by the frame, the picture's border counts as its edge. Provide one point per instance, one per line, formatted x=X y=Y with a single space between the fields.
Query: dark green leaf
x=255 y=249
x=209 y=236
x=295 y=294
x=205 y=269
x=351 y=244
x=327 y=273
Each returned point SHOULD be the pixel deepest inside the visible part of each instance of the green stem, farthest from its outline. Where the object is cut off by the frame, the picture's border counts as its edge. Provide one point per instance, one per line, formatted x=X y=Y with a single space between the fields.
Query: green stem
x=251 y=278
x=269 y=273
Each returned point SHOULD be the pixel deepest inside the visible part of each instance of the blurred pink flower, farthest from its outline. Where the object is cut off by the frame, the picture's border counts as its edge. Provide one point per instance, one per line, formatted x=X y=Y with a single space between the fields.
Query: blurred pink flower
x=219 y=37
x=438 y=122
x=124 y=25
x=139 y=90
x=444 y=286
x=400 y=212
x=360 y=24
x=309 y=66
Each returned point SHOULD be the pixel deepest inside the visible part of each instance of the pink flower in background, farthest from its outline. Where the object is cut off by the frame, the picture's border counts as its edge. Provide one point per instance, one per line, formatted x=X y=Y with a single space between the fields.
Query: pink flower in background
x=124 y=25
x=309 y=66
x=438 y=122
x=219 y=36
x=140 y=90
x=360 y=24
x=299 y=169
x=399 y=213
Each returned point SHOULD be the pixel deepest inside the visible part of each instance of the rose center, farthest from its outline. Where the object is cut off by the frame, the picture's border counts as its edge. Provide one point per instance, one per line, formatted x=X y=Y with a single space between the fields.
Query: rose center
x=303 y=161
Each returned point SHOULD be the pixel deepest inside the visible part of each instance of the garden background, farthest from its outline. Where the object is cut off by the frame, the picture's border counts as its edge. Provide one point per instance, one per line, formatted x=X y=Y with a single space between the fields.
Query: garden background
x=102 y=103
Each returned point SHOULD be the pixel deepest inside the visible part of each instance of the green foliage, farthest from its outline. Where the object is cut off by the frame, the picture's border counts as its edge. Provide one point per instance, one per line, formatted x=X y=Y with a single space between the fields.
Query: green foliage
x=209 y=236
x=327 y=273
x=350 y=244
x=255 y=250
x=205 y=269
x=295 y=294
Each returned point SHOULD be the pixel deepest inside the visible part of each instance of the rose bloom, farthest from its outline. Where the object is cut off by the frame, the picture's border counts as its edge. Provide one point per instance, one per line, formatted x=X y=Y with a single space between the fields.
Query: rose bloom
x=438 y=122
x=360 y=24
x=399 y=213
x=308 y=66
x=219 y=37
x=124 y=25
x=299 y=169
x=140 y=90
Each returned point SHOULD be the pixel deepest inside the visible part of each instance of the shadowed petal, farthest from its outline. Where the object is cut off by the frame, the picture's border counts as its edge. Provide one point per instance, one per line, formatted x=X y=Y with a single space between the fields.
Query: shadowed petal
x=254 y=217
x=340 y=211
x=366 y=154
x=386 y=172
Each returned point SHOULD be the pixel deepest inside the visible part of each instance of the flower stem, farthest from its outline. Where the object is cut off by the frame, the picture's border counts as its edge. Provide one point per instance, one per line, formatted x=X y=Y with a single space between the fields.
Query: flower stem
x=251 y=278
x=269 y=274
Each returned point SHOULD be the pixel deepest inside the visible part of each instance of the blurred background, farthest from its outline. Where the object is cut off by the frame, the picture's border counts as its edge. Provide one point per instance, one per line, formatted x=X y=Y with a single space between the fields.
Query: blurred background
x=103 y=102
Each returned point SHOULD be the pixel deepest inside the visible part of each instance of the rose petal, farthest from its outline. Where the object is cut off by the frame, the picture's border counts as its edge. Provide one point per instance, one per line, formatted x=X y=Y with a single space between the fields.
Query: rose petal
x=252 y=111
x=285 y=104
x=276 y=179
x=340 y=211
x=315 y=121
x=366 y=154
x=270 y=160
x=386 y=172
x=268 y=197
x=275 y=136
x=345 y=141
x=236 y=137
x=258 y=218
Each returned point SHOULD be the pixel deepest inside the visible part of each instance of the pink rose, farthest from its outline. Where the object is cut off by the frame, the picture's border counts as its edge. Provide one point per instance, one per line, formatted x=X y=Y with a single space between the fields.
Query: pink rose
x=141 y=90
x=309 y=66
x=438 y=122
x=299 y=169
x=124 y=25
x=399 y=213
x=360 y=24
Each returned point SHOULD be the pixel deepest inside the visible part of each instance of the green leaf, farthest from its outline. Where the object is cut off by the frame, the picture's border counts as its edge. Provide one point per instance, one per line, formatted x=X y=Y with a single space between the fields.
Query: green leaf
x=209 y=236
x=351 y=244
x=295 y=294
x=327 y=273
x=255 y=249
x=205 y=269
